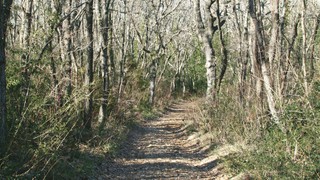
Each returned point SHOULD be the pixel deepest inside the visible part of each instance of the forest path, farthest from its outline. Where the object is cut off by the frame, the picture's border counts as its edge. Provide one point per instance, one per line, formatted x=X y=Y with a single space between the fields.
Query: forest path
x=161 y=149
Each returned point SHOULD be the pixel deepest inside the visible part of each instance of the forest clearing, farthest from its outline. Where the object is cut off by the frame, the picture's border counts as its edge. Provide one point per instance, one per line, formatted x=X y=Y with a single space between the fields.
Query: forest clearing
x=159 y=89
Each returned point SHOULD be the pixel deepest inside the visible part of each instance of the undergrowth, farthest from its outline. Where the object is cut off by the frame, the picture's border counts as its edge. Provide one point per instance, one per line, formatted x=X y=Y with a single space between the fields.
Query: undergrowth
x=51 y=143
x=48 y=141
x=270 y=153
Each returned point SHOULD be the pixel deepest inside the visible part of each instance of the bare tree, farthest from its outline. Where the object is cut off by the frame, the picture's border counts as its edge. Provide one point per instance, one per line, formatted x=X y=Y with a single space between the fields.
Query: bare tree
x=274 y=32
x=206 y=32
x=224 y=52
x=89 y=66
x=123 y=50
x=261 y=58
x=312 y=51
x=241 y=26
x=104 y=27
x=304 y=47
x=66 y=47
x=25 y=58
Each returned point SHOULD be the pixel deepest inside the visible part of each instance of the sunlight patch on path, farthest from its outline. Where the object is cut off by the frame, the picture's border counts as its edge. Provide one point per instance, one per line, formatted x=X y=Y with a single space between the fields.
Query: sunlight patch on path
x=163 y=149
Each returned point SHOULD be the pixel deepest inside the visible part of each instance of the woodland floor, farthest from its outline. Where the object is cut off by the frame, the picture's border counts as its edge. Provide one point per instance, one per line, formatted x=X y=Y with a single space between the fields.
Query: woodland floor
x=163 y=148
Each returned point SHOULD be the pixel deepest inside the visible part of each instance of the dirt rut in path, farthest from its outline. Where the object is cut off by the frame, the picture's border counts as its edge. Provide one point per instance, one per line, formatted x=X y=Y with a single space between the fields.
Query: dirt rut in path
x=160 y=149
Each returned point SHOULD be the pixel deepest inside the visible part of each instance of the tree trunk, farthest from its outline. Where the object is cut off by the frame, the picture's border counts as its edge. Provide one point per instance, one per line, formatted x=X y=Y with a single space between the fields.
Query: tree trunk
x=287 y=62
x=112 y=68
x=5 y=7
x=224 y=52
x=304 y=48
x=123 y=54
x=152 y=81
x=314 y=36
x=66 y=52
x=26 y=32
x=243 y=47
x=104 y=44
x=54 y=77
x=262 y=59
x=205 y=35
x=255 y=64
x=274 y=32
x=3 y=107
x=88 y=109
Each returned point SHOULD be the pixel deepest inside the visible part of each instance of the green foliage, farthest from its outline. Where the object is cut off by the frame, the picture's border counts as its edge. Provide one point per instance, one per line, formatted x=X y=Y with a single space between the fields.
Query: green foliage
x=227 y=120
x=282 y=156
x=47 y=138
x=290 y=155
x=51 y=143
x=195 y=72
x=149 y=115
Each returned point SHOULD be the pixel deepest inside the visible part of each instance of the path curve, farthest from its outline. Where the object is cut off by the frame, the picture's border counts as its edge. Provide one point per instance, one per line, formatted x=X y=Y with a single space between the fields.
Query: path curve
x=161 y=149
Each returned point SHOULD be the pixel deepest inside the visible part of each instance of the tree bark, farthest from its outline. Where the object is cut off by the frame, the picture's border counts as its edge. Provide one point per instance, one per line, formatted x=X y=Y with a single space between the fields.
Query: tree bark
x=66 y=49
x=304 y=48
x=314 y=36
x=57 y=11
x=3 y=107
x=5 y=7
x=123 y=53
x=54 y=77
x=152 y=81
x=257 y=24
x=244 y=54
x=25 y=58
x=224 y=52
x=287 y=62
x=88 y=109
x=104 y=45
x=205 y=35
x=274 y=32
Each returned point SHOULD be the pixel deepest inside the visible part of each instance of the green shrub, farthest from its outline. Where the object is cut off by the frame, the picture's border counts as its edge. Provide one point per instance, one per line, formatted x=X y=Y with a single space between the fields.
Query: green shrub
x=293 y=154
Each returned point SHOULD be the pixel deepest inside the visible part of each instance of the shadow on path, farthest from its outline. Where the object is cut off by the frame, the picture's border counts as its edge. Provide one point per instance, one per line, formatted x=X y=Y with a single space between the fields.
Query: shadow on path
x=160 y=149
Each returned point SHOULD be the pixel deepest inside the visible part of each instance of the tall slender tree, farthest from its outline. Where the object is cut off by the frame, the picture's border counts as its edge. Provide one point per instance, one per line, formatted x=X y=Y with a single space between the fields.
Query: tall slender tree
x=206 y=32
x=104 y=13
x=260 y=57
x=304 y=47
x=5 y=7
x=88 y=109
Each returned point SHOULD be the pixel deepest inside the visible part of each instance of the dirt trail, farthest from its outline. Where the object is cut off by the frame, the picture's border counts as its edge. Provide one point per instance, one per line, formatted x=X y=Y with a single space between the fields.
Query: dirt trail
x=161 y=149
